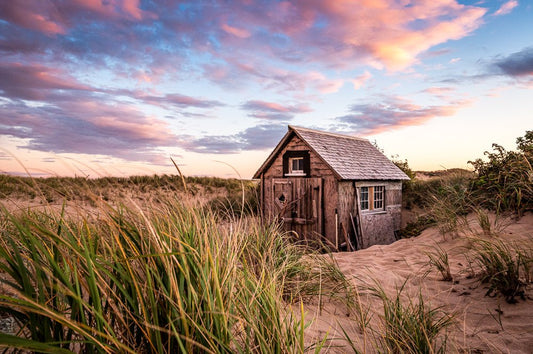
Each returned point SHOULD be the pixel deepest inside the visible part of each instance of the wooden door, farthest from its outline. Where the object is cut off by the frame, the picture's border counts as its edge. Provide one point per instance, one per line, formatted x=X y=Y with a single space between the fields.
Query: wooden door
x=298 y=202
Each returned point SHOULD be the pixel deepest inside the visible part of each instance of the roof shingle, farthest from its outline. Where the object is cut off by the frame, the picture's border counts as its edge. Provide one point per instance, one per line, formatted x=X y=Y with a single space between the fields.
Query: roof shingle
x=349 y=157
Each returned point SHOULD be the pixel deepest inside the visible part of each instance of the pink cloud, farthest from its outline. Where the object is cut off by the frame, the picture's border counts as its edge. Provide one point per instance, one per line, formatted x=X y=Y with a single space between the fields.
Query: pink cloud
x=132 y=7
x=446 y=94
x=52 y=18
x=147 y=129
x=114 y=8
x=276 y=107
x=237 y=32
x=274 y=111
x=360 y=80
x=37 y=15
x=175 y=99
x=506 y=8
x=345 y=33
x=236 y=72
x=34 y=82
x=82 y=125
x=321 y=83
x=397 y=46
x=395 y=113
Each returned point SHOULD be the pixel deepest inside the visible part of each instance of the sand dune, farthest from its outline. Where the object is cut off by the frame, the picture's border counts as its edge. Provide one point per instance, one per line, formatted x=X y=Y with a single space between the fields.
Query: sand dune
x=483 y=324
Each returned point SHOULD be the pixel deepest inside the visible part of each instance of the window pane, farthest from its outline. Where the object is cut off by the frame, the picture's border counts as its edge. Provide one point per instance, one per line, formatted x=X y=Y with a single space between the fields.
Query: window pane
x=364 y=198
x=378 y=197
x=296 y=165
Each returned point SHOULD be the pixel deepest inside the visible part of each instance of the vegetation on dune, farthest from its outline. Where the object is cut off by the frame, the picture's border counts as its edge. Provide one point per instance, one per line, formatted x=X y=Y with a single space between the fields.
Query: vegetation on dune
x=438 y=259
x=155 y=275
x=408 y=324
x=164 y=280
x=505 y=268
x=412 y=326
x=505 y=181
x=222 y=195
x=502 y=184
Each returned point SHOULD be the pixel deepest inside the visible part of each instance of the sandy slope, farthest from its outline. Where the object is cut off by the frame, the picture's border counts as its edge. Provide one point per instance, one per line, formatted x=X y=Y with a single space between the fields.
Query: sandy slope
x=477 y=328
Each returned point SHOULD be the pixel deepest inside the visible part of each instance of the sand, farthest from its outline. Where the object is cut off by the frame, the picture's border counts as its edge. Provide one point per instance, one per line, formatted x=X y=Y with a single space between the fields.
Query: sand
x=483 y=324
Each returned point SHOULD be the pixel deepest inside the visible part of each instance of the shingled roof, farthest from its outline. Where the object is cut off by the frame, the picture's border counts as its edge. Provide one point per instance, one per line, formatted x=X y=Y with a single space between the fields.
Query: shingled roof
x=349 y=157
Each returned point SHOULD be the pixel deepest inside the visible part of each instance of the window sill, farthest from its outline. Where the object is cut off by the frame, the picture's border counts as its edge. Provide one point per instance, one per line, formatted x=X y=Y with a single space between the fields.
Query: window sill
x=380 y=211
x=295 y=175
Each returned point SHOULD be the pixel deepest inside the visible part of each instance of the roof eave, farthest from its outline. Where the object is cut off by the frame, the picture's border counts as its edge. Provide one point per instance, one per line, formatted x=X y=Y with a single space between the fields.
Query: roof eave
x=295 y=130
x=273 y=154
x=377 y=179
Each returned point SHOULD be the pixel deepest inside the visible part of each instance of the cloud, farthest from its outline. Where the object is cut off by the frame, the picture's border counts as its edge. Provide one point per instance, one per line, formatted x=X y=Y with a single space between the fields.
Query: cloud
x=93 y=53
x=237 y=32
x=236 y=73
x=273 y=111
x=382 y=32
x=5 y=156
x=439 y=90
x=87 y=127
x=56 y=18
x=260 y=137
x=332 y=34
x=35 y=82
x=360 y=80
x=177 y=100
x=519 y=64
x=37 y=15
x=268 y=42
x=506 y=8
x=394 y=113
x=444 y=93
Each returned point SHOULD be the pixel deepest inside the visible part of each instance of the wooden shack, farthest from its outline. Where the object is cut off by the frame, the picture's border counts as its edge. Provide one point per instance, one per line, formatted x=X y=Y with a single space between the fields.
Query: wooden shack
x=337 y=187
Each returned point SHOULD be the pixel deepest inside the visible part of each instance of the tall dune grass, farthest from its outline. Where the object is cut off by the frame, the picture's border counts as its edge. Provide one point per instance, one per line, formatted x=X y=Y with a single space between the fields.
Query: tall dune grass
x=506 y=268
x=412 y=326
x=161 y=278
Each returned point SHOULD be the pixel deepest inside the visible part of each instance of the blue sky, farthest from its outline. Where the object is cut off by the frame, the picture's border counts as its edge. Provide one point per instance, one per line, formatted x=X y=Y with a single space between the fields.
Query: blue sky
x=117 y=87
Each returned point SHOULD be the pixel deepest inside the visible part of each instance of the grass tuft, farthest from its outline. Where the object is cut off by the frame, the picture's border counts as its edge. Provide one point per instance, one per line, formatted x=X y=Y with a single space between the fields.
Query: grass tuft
x=506 y=269
x=412 y=326
x=439 y=260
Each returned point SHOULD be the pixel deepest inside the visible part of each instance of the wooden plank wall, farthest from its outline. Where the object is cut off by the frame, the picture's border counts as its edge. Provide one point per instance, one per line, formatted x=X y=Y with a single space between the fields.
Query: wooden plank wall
x=301 y=209
x=379 y=226
x=346 y=206
x=318 y=169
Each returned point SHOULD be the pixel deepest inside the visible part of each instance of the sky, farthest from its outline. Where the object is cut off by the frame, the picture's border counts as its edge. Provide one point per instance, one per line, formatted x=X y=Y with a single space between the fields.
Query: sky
x=119 y=87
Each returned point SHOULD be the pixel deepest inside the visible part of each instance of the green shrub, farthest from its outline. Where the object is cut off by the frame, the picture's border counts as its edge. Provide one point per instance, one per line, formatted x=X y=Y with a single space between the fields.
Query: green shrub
x=505 y=181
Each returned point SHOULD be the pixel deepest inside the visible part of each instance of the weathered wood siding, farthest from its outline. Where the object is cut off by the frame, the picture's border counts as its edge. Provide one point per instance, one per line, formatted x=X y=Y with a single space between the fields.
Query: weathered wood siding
x=334 y=196
x=346 y=206
x=379 y=226
x=301 y=207
x=318 y=169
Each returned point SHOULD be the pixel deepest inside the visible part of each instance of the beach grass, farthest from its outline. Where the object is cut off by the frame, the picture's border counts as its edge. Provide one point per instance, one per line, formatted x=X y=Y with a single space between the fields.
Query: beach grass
x=156 y=278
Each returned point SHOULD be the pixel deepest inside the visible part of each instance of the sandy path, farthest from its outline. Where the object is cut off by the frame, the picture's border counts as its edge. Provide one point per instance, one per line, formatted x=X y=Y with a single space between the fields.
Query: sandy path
x=483 y=324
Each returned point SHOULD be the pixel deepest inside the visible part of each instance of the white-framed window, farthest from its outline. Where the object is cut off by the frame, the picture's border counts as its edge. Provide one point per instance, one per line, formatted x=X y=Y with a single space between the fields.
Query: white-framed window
x=378 y=197
x=372 y=198
x=364 y=198
x=296 y=166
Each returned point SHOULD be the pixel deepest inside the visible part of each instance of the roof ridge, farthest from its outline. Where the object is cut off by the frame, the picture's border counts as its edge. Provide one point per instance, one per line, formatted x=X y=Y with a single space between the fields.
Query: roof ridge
x=297 y=128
